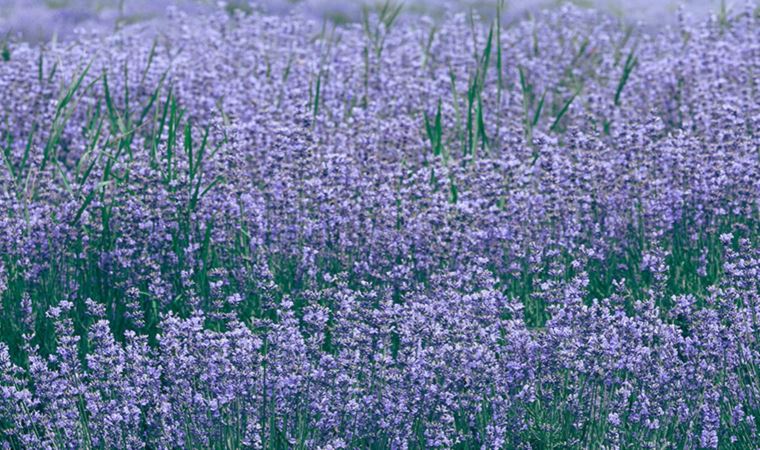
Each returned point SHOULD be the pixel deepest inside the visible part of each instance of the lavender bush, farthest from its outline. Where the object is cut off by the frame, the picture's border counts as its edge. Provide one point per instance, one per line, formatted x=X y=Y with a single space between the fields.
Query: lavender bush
x=247 y=231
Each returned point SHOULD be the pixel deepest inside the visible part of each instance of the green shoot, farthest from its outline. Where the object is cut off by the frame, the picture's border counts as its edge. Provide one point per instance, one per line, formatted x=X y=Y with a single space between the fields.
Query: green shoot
x=435 y=131
x=562 y=112
x=630 y=64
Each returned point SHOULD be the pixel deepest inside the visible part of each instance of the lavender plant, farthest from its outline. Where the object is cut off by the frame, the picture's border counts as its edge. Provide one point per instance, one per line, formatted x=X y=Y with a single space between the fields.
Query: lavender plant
x=248 y=231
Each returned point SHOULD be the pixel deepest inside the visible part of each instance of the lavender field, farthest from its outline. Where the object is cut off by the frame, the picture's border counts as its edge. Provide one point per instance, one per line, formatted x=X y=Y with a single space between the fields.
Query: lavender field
x=233 y=229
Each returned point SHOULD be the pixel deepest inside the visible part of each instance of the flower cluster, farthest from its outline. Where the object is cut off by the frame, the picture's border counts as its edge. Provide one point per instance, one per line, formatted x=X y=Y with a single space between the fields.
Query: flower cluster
x=238 y=230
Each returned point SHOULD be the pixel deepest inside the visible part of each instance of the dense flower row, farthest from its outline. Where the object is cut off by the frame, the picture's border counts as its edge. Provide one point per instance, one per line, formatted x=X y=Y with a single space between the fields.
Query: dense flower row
x=248 y=231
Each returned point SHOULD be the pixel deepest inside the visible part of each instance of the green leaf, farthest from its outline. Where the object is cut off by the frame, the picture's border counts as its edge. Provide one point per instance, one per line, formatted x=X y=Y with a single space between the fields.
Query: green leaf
x=562 y=112
x=630 y=63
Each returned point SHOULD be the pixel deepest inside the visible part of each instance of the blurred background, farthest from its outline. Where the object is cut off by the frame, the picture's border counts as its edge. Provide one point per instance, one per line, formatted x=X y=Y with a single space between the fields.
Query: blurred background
x=36 y=20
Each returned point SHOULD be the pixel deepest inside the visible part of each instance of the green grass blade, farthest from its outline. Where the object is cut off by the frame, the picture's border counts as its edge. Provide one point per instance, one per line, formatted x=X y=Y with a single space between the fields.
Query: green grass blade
x=562 y=112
